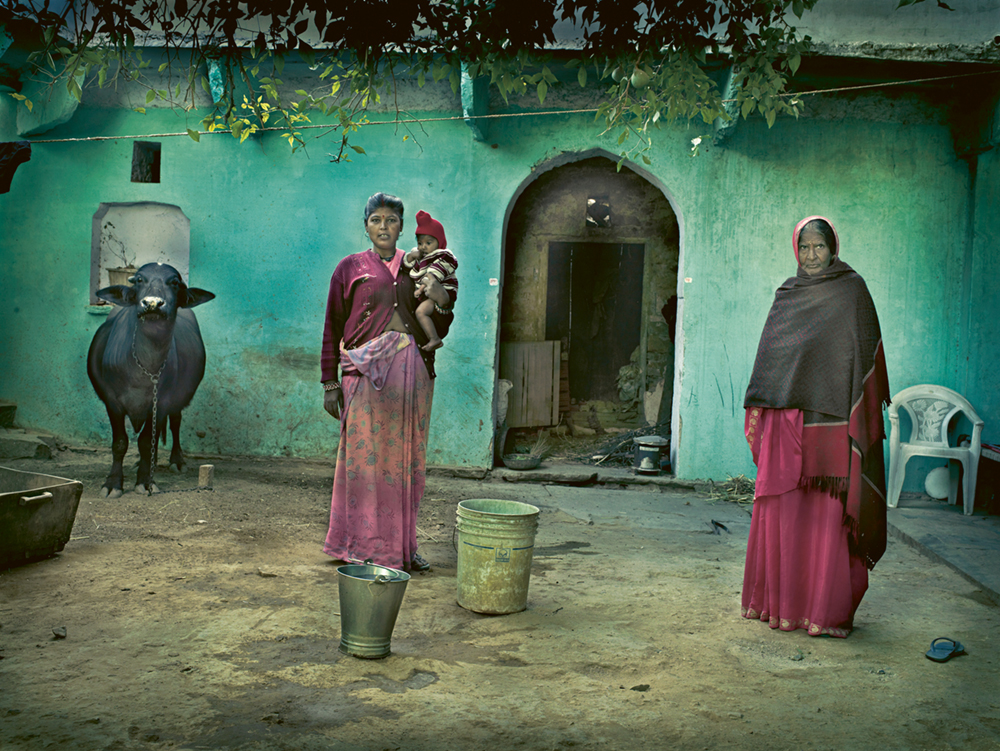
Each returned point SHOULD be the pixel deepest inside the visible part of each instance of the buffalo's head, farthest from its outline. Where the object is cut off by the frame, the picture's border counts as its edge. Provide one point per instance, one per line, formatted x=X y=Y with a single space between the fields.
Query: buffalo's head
x=157 y=291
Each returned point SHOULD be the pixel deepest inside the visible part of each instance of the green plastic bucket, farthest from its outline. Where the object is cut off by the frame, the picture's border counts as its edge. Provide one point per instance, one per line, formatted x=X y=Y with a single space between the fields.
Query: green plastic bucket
x=370 y=597
x=496 y=540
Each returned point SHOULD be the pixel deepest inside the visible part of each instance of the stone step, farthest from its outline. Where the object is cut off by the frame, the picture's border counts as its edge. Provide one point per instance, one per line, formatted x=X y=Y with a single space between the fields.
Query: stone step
x=19 y=444
x=7 y=412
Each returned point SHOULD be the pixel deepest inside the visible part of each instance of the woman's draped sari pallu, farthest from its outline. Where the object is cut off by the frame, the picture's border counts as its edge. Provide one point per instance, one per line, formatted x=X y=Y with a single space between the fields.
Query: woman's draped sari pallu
x=380 y=473
x=814 y=425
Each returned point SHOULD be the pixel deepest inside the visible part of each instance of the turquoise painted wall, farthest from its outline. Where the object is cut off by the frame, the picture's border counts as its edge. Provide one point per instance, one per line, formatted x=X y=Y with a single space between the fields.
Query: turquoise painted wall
x=268 y=227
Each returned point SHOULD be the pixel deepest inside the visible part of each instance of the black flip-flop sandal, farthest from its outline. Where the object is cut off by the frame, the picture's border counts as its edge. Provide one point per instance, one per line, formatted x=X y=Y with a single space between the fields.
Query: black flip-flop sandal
x=943 y=649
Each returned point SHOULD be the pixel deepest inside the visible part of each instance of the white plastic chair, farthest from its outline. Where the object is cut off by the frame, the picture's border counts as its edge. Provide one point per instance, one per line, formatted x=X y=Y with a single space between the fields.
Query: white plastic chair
x=931 y=408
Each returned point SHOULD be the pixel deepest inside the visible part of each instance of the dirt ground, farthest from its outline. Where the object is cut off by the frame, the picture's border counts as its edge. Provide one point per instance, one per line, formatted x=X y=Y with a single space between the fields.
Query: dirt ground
x=208 y=620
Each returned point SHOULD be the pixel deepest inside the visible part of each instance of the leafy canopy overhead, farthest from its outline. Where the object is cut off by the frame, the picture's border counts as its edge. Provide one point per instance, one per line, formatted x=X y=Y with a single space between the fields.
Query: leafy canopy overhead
x=650 y=58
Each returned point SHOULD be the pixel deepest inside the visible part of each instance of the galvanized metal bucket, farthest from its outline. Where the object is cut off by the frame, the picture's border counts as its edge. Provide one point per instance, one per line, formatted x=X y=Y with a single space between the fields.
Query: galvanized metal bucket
x=370 y=597
x=496 y=540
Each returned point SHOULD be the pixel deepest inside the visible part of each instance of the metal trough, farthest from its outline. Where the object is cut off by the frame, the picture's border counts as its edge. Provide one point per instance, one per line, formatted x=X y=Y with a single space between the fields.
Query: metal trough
x=36 y=515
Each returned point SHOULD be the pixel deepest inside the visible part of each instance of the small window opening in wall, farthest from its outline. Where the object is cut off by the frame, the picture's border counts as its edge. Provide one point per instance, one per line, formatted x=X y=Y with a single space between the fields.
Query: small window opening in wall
x=598 y=211
x=125 y=236
x=145 y=162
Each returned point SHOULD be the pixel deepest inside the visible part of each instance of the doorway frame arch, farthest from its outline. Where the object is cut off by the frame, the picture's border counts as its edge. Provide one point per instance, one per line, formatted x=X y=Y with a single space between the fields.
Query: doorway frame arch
x=570 y=157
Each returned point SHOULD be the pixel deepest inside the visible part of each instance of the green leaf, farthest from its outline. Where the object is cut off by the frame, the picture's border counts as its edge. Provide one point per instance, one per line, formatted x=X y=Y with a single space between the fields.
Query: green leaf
x=771 y=117
x=140 y=110
x=74 y=88
x=543 y=89
x=797 y=8
x=793 y=63
x=150 y=96
x=581 y=76
x=357 y=148
x=194 y=135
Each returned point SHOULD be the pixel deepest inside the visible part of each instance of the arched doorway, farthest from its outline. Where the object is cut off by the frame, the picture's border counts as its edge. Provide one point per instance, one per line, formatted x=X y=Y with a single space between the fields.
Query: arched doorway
x=588 y=304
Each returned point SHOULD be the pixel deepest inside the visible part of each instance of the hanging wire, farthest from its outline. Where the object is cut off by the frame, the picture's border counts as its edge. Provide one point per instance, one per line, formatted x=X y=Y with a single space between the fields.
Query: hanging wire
x=463 y=118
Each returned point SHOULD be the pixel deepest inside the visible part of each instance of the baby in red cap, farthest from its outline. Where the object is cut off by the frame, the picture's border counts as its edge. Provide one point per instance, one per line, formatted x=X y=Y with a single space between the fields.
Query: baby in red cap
x=431 y=256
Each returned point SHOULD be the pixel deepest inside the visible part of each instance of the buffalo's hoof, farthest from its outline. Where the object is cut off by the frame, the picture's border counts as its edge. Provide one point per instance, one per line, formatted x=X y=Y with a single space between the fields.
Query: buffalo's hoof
x=176 y=469
x=146 y=490
x=107 y=492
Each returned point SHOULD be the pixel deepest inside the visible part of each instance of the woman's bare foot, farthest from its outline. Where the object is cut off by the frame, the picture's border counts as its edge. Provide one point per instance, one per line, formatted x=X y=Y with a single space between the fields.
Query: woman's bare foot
x=432 y=345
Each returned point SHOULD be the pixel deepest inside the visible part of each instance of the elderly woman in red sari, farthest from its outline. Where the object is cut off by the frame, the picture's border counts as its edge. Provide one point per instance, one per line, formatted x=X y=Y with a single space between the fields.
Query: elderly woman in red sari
x=379 y=382
x=814 y=424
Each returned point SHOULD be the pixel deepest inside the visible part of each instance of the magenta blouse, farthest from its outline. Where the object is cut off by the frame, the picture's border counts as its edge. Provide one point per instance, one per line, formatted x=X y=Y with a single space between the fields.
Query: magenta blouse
x=364 y=292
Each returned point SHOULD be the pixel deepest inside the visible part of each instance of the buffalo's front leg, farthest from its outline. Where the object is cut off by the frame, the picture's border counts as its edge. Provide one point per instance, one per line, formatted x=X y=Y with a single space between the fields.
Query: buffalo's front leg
x=112 y=487
x=144 y=477
x=176 y=455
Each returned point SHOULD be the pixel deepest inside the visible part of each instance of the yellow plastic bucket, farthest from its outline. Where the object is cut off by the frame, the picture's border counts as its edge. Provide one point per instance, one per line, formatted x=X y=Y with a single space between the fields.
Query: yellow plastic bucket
x=496 y=540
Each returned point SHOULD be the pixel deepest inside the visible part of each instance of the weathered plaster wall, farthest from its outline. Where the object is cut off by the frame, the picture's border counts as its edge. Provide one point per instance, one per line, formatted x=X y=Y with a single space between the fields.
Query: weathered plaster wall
x=267 y=228
x=983 y=350
x=899 y=199
x=879 y=24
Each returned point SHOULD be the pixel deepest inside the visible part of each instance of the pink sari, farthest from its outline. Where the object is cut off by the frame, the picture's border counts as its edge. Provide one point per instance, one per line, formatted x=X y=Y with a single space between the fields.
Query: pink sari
x=799 y=569
x=380 y=474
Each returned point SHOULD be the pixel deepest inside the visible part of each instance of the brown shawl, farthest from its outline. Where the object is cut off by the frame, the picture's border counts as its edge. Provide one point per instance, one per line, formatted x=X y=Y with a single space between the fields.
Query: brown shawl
x=821 y=352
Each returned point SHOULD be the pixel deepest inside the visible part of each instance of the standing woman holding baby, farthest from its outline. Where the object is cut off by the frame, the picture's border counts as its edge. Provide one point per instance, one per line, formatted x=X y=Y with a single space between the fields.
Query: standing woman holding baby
x=378 y=380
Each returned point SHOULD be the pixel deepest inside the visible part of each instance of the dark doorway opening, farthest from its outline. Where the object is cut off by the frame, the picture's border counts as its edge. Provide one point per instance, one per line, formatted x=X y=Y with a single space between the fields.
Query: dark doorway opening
x=594 y=306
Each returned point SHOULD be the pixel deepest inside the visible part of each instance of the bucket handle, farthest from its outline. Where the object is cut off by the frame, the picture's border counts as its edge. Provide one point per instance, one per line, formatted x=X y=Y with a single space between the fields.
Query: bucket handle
x=379 y=578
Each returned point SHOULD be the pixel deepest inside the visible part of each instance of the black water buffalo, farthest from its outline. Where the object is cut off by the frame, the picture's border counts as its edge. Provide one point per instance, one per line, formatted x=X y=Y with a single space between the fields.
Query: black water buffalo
x=149 y=349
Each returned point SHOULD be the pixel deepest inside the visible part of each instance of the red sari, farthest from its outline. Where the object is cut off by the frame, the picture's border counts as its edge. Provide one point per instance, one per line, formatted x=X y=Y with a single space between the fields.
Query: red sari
x=380 y=474
x=799 y=569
